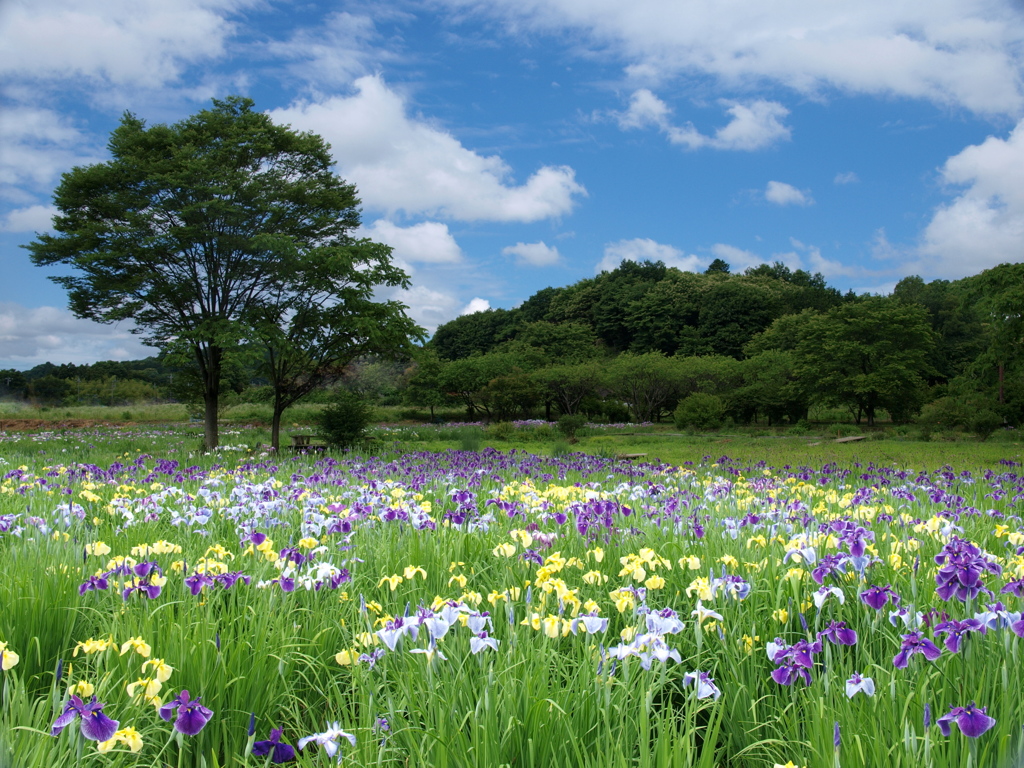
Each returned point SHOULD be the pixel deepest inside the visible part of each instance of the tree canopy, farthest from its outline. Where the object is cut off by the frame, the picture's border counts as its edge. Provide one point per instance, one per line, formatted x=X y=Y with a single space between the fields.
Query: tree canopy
x=207 y=233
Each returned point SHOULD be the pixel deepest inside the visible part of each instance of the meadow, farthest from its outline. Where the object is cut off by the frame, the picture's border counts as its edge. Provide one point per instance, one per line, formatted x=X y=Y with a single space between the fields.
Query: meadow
x=462 y=597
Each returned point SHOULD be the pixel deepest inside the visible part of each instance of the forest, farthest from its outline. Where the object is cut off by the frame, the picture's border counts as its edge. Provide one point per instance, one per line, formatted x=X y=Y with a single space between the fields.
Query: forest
x=646 y=341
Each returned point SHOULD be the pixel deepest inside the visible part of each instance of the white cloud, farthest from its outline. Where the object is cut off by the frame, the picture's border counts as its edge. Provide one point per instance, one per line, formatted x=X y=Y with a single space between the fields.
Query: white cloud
x=35 y=218
x=333 y=52
x=429 y=308
x=959 y=52
x=645 y=249
x=754 y=125
x=846 y=178
x=738 y=259
x=535 y=254
x=781 y=193
x=984 y=225
x=429 y=241
x=33 y=335
x=140 y=43
x=476 y=305
x=400 y=163
x=37 y=145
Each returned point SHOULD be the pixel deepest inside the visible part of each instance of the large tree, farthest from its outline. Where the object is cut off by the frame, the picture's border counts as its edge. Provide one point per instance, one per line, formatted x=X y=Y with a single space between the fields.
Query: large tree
x=867 y=355
x=198 y=231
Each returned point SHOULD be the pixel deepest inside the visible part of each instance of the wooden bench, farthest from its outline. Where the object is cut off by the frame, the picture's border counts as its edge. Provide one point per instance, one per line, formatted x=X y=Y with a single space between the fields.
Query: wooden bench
x=629 y=456
x=305 y=444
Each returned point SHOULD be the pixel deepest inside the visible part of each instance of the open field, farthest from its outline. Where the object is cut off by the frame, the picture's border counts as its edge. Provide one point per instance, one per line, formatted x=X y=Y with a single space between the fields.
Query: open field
x=518 y=604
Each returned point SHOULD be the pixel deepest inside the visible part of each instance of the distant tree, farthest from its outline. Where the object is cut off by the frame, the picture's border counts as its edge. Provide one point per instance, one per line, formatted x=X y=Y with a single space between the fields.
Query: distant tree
x=868 y=355
x=648 y=384
x=195 y=232
x=570 y=385
x=561 y=342
x=718 y=266
x=476 y=333
x=12 y=384
x=733 y=312
x=423 y=380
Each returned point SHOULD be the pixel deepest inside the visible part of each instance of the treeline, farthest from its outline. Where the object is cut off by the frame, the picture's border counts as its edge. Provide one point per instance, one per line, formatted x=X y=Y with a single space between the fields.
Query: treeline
x=645 y=342
x=104 y=383
x=645 y=339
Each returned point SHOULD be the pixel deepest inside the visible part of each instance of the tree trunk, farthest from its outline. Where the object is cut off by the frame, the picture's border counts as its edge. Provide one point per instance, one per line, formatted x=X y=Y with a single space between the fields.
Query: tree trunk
x=210 y=436
x=209 y=365
x=275 y=426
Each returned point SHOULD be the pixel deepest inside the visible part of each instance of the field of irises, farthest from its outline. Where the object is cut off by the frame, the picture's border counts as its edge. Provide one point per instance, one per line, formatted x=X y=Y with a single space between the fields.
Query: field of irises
x=491 y=608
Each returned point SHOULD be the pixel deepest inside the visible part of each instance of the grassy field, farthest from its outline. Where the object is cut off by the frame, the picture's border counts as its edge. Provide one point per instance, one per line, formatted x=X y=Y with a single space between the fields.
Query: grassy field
x=458 y=596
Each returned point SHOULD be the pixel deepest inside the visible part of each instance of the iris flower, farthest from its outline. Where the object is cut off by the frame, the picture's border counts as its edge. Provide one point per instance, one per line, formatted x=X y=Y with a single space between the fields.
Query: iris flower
x=96 y=726
x=8 y=659
x=857 y=684
x=704 y=684
x=913 y=643
x=328 y=740
x=279 y=753
x=971 y=720
x=192 y=716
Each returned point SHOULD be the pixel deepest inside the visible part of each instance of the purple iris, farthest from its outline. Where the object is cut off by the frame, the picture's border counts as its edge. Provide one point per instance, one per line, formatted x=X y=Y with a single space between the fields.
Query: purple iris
x=971 y=720
x=876 y=597
x=913 y=643
x=96 y=726
x=191 y=715
x=93 y=583
x=955 y=631
x=197 y=581
x=279 y=752
x=961 y=566
x=838 y=633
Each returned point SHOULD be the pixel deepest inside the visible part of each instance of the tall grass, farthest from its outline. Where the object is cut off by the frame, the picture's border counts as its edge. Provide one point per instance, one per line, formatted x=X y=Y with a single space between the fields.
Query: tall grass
x=546 y=695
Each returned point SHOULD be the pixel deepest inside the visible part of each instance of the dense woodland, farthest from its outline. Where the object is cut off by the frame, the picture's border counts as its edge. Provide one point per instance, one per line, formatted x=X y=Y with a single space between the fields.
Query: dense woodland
x=646 y=341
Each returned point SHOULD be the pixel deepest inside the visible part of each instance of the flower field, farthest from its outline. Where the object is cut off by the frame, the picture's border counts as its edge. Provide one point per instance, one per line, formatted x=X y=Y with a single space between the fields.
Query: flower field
x=492 y=608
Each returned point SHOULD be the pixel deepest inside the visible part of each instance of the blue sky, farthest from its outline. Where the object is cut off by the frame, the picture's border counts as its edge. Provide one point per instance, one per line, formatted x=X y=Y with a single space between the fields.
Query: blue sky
x=504 y=146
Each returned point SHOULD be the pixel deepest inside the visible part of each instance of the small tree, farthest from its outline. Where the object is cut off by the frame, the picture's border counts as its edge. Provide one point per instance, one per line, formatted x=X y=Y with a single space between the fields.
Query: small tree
x=212 y=232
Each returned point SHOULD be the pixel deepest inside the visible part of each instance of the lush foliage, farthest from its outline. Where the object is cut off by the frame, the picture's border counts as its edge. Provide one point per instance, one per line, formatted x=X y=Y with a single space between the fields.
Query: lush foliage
x=222 y=230
x=488 y=608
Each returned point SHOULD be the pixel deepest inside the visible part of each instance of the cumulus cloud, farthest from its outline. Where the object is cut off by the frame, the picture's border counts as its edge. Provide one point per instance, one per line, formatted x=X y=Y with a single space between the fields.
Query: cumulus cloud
x=849 y=177
x=952 y=52
x=427 y=306
x=781 y=193
x=37 y=145
x=476 y=305
x=428 y=242
x=535 y=254
x=34 y=218
x=738 y=259
x=30 y=336
x=401 y=163
x=339 y=48
x=984 y=225
x=754 y=124
x=138 y=43
x=645 y=249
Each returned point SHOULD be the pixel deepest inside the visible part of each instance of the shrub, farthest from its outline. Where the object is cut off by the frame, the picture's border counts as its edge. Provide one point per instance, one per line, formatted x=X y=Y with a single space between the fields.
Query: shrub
x=470 y=438
x=343 y=423
x=503 y=430
x=984 y=422
x=700 y=411
x=570 y=424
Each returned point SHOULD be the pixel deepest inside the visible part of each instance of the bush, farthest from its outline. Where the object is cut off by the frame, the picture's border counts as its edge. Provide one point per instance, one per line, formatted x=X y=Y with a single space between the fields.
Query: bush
x=985 y=422
x=343 y=423
x=470 y=438
x=503 y=430
x=700 y=411
x=570 y=424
